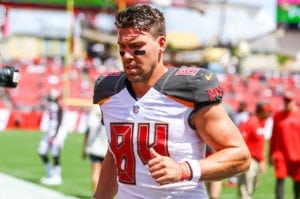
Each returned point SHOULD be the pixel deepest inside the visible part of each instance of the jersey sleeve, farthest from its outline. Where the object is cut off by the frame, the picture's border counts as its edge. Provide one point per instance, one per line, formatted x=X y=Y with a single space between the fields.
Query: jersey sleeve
x=191 y=84
x=106 y=86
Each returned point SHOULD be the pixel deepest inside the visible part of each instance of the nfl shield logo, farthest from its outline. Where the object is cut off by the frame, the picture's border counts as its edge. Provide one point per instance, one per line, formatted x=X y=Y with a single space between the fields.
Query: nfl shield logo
x=136 y=109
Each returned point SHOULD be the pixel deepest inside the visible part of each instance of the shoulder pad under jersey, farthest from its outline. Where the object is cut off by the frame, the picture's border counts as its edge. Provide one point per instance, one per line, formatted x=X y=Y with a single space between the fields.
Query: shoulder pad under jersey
x=106 y=86
x=192 y=84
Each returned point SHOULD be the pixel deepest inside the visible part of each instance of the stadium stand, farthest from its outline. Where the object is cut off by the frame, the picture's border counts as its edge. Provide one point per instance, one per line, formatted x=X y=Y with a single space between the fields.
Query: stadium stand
x=39 y=76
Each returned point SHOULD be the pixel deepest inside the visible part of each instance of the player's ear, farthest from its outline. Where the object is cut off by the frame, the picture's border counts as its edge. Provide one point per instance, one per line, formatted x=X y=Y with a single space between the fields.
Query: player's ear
x=162 y=42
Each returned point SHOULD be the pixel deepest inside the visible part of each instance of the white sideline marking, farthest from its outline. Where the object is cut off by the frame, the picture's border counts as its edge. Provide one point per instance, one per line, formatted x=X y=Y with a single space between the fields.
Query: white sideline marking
x=14 y=188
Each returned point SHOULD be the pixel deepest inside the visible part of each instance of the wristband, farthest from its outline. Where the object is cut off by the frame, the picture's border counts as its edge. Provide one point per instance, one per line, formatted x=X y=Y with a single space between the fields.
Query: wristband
x=195 y=170
x=186 y=172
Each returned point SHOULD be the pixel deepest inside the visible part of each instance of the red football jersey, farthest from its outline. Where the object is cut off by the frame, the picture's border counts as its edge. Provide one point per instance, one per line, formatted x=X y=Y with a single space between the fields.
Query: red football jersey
x=253 y=133
x=285 y=140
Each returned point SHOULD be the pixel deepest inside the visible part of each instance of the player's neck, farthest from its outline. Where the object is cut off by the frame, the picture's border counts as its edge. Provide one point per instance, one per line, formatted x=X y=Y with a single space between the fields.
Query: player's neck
x=141 y=88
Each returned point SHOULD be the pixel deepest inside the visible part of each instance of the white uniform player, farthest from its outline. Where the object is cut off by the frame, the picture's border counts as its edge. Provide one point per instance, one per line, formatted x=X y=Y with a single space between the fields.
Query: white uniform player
x=135 y=126
x=96 y=143
x=159 y=119
x=52 y=141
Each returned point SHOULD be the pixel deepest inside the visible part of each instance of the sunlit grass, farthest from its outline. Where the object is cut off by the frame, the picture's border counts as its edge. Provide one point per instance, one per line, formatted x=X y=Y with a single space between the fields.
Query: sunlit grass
x=18 y=157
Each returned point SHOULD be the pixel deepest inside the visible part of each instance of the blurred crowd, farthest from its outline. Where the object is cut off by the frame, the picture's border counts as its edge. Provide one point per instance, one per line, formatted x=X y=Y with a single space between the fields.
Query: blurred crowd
x=39 y=76
x=76 y=80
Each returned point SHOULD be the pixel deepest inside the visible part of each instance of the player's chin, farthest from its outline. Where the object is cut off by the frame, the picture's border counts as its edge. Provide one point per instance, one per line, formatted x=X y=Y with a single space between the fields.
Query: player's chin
x=134 y=77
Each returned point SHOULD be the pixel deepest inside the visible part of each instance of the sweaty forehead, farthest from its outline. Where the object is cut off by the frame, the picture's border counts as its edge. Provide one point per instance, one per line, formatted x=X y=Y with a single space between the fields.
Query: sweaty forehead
x=129 y=35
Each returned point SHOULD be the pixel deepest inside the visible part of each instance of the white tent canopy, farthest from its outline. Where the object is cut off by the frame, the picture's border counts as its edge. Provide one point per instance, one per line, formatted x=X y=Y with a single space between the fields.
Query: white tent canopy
x=229 y=22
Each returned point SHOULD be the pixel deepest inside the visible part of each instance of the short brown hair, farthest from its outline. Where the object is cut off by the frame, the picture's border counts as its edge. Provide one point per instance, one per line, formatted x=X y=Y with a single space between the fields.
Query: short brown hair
x=262 y=106
x=143 y=18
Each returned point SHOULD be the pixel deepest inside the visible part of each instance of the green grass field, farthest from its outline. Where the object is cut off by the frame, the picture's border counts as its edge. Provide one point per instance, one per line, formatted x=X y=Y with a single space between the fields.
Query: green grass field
x=18 y=157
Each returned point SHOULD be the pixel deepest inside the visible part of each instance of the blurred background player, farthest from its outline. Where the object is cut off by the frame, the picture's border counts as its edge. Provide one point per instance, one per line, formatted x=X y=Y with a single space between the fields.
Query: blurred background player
x=53 y=140
x=95 y=143
x=241 y=115
x=254 y=135
x=285 y=145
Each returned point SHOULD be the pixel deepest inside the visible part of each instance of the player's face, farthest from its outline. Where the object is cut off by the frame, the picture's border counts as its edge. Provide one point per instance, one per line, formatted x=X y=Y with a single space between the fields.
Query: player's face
x=288 y=103
x=139 y=52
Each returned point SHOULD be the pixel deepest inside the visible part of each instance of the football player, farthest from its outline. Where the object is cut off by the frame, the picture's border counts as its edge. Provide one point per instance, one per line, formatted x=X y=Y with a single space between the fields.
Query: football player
x=53 y=139
x=158 y=119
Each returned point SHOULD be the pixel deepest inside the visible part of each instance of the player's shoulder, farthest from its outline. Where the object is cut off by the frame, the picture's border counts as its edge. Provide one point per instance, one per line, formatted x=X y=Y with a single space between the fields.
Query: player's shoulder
x=108 y=85
x=193 y=84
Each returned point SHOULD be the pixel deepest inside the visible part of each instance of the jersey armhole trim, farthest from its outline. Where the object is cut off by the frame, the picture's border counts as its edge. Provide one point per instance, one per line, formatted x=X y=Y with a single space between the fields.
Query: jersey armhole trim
x=181 y=101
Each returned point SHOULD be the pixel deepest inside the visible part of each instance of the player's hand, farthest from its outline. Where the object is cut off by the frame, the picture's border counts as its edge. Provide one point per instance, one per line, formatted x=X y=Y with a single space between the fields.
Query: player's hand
x=262 y=167
x=51 y=141
x=163 y=169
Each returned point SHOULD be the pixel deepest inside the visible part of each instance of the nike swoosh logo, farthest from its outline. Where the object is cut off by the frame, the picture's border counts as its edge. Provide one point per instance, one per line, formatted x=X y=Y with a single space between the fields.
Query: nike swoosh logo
x=208 y=77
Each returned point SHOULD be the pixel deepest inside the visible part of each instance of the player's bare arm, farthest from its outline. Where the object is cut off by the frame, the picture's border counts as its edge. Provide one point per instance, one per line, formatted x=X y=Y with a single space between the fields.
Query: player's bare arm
x=107 y=185
x=219 y=132
x=216 y=129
